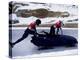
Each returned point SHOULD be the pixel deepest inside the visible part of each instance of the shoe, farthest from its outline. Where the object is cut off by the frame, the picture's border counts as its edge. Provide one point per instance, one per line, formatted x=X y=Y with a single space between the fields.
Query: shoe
x=11 y=44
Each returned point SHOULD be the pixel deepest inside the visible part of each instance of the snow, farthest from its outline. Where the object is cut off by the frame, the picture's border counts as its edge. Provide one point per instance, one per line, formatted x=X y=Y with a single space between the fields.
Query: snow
x=63 y=8
x=51 y=7
x=73 y=10
x=13 y=17
x=48 y=20
x=61 y=52
x=31 y=7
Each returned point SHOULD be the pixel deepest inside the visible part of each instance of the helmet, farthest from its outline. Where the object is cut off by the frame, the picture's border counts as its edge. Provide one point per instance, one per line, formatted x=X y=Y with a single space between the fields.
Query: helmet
x=38 y=21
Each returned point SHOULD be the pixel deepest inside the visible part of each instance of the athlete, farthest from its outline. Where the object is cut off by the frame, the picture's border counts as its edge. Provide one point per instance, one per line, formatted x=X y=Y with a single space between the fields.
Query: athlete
x=52 y=31
x=58 y=26
x=30 y=30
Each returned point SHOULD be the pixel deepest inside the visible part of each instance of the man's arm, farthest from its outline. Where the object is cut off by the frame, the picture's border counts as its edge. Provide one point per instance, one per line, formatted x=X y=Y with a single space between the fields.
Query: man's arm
x=62 y=23
x=44 y=32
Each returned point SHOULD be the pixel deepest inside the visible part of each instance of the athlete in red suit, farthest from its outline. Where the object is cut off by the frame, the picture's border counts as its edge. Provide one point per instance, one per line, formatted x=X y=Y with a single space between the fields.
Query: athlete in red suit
x=30 y=30
x=58 y=26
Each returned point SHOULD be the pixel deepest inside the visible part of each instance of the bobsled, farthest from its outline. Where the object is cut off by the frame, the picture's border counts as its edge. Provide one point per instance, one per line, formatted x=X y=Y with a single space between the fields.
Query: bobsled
x=41 y=40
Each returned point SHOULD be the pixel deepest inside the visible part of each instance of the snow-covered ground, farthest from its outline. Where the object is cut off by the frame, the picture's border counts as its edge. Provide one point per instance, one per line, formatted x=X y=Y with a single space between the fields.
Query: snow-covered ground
x=26 y=49
x=51 y=7
x=48 y=20
x=72 y=9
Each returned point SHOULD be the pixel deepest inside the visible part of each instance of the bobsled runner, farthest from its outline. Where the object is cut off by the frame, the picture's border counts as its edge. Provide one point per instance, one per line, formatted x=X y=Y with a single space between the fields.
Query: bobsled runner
x=41 y=40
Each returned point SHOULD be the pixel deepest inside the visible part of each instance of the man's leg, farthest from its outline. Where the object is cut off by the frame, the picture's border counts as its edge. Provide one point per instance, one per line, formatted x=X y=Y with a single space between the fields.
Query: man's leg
x=61 y=31
x=57 y=31
x=27 y=31
x=52 y=31
x=22 y=38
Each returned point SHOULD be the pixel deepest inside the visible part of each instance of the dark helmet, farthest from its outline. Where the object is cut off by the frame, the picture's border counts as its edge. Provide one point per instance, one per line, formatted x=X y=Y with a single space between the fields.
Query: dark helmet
x=38 y=21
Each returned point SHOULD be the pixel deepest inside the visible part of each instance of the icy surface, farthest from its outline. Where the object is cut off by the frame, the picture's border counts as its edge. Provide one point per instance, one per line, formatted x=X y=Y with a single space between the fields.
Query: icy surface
x=26 y=48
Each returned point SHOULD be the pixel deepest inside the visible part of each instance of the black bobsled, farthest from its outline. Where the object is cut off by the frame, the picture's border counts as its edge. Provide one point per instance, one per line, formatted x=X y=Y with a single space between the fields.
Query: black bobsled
x=57 y=40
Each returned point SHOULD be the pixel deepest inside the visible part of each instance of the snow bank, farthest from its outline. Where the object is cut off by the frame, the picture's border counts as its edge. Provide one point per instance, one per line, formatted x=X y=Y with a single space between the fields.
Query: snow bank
x=73 y=10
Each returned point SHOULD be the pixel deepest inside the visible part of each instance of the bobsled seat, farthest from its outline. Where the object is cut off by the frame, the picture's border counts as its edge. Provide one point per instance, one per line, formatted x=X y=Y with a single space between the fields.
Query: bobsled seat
x=57 y=40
